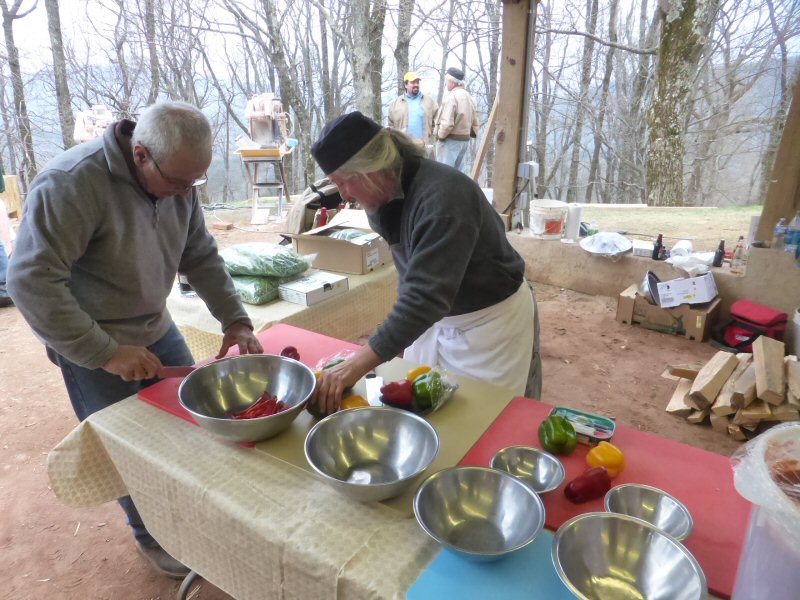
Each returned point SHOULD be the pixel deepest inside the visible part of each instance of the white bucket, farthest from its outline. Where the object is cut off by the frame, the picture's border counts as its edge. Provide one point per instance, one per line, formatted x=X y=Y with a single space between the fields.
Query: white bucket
x=547 y=218
x=796 y=333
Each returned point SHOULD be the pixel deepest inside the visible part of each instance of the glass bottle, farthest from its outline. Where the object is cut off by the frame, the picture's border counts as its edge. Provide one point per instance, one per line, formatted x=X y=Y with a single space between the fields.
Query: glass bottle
x=779 y=234
x=658 y=246
x=739 y=257
x=719 y=254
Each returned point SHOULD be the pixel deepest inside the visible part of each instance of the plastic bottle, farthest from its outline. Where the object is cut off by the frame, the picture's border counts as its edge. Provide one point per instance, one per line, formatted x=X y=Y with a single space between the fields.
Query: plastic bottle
x=792 y=238
x=739 y=257
x=719 y=254
x=323 y=216
x=779 y=235
x=658 y=246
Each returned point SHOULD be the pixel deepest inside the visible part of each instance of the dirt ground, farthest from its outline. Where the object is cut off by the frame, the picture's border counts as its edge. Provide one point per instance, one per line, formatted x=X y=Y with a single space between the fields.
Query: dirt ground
x=49 y=550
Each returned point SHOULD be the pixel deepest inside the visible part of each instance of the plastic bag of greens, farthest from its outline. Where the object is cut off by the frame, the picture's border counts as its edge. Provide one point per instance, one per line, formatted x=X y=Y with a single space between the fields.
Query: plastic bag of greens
x=348 y=234
x=256 y=290
x=264 y=260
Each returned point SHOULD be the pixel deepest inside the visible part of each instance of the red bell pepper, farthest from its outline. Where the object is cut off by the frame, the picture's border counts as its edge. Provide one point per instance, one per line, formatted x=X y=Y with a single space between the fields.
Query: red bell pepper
x=592 y=483
x=399 y=394
x=290 y=352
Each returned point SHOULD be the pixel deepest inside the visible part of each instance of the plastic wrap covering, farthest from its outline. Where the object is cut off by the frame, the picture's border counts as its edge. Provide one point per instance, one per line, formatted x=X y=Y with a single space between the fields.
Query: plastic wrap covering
x=766 y=471
x=256 y=290
x=609 y=244
x=264 y=260
x=349 y=234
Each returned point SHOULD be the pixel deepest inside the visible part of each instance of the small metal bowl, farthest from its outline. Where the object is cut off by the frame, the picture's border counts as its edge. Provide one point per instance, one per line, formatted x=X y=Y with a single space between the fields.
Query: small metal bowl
x=650 y=504
x=605 y=555
x=478 y=513
x=539 y=469
x=371 y=453
x=214 y=391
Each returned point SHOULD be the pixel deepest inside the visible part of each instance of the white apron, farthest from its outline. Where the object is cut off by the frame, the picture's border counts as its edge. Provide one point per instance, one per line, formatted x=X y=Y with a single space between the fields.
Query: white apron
x=494 y=344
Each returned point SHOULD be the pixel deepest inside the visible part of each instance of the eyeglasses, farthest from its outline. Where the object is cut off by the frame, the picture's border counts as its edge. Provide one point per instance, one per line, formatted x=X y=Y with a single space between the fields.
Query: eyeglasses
x=181 y=185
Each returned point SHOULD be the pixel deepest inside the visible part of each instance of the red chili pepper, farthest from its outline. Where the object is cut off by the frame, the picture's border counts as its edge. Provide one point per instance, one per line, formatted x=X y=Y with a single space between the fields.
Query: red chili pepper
x=592 y=483
x=290 y=352
x=266 y=405
x=399 y=394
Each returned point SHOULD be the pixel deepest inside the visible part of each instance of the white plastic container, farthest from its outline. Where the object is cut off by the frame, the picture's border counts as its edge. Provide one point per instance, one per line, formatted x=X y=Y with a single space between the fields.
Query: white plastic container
x=769 y=566
x=796 y=333
x=547 y=218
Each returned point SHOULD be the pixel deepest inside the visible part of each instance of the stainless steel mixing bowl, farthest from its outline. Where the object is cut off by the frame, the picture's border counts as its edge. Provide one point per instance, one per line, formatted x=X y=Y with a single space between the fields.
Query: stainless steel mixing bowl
x=608 y=556
x=214 y=391
x=650 y=504
x=539 y=469
x=371 y=453
x=479 y=513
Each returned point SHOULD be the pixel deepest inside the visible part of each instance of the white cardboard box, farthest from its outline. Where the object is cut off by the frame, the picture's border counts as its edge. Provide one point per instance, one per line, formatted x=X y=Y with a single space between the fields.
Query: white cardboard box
x=690 y=290
x=643 y=248
x=314 y=288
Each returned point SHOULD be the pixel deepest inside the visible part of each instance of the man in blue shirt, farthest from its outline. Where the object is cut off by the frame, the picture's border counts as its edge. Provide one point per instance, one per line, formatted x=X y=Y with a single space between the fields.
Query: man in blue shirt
x=413 y=112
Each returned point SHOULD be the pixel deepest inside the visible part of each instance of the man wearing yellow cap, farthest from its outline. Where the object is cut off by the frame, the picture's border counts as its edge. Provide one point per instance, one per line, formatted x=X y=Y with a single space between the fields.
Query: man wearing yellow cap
x=413 y=112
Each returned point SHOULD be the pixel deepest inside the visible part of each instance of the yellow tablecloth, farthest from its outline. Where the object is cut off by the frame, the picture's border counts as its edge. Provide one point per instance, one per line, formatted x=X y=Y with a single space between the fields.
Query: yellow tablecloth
x=346 y=317
x=251 y=524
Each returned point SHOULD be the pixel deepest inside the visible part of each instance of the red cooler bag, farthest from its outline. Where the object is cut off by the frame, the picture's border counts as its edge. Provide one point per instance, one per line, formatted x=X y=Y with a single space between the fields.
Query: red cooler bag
x=749 y=320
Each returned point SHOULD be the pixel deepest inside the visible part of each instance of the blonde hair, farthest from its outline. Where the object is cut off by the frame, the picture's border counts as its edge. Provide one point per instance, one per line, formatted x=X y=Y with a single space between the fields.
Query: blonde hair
x=385 y=151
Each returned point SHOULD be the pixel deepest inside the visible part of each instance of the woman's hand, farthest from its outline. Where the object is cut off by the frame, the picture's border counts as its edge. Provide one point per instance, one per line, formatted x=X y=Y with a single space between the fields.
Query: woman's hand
x=334 y=381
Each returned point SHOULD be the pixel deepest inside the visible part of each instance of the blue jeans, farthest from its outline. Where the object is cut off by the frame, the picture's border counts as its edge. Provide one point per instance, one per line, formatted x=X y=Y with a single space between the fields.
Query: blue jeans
x=3 y=268
x=91 y=390
x=455 y=153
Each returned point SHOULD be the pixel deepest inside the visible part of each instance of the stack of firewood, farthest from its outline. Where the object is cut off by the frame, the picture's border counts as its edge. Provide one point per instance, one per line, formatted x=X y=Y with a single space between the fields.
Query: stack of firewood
x=740 y=394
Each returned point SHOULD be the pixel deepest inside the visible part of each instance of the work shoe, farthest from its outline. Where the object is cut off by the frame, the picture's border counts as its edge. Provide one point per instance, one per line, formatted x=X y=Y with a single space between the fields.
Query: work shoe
x=162 y=562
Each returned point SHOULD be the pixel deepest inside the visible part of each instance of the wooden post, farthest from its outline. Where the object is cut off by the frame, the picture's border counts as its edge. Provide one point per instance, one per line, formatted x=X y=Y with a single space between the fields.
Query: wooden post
x=510 y=100
x=783 y=193
x=485 y=141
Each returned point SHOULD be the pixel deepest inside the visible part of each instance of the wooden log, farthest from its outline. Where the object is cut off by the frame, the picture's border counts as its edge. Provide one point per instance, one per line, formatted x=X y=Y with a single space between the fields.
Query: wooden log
x=768 y=359
x=677 y=404
x=711 y=377
x=744 y=390
x=723 y=404
x=785 y=412
x=223 y=225
x=792 y=380
x=699 y=416
x=736 y=432
x=685 y=371
x=719 y=422
x=752 y=415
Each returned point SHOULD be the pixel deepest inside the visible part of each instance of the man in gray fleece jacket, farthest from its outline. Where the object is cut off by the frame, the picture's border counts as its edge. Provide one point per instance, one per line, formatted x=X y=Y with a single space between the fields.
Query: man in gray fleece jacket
x=106 y=226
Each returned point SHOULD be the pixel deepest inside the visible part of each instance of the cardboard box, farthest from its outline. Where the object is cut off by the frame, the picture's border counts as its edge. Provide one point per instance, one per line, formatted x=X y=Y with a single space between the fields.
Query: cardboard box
x=314 y=288
x=693 y=322
x=358 y=257
x=690 y=290
x=643 y=248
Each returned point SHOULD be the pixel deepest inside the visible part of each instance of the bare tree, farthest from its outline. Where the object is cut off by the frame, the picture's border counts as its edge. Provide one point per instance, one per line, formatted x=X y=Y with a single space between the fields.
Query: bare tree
x=10 y=14
x=66 y=118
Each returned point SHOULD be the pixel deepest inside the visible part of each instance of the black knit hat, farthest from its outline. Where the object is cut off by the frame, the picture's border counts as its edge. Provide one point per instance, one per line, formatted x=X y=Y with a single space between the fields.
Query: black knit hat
x=341 y=139
x=456 y=73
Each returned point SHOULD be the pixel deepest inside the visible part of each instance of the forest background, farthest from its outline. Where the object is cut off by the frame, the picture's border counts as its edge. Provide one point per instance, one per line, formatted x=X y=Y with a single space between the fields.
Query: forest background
x=664 y=102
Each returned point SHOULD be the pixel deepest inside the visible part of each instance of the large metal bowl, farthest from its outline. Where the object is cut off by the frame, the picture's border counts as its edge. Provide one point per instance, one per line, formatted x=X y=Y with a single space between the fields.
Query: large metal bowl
x=650 y=504
x=607 y=556
x=212 y=392
x=539 y=469
x=479 y=513
x=371 y=453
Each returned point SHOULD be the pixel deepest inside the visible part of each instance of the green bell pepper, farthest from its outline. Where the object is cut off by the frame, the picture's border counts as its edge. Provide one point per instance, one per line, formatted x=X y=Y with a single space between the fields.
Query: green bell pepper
x=427 y=391
x=557 y=435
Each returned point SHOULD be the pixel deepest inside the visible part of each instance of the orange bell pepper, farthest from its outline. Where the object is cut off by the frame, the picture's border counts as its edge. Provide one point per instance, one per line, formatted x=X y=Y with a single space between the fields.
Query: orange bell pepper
x=608 y=456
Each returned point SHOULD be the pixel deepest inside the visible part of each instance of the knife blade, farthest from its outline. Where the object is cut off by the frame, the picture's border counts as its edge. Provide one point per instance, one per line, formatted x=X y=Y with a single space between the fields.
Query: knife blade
x=374 y=383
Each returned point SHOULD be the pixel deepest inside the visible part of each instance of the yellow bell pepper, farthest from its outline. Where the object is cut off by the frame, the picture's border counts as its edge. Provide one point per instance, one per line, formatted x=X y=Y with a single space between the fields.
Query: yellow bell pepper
x=417 y=371
x=608 y=456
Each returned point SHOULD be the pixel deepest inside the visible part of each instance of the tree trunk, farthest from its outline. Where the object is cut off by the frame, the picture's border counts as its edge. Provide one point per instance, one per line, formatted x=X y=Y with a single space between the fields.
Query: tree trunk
x=376 y=21
x=152 y=51
x=20 y=106
x=362 y=57
x=445 y=50
x=405 y=8
x=63 y=98
x=684 y=29
x=598 y=130
x=583 y=99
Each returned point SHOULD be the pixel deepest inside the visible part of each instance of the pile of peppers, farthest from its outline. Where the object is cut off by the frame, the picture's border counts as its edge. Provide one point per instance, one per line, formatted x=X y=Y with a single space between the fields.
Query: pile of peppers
x=421 y=391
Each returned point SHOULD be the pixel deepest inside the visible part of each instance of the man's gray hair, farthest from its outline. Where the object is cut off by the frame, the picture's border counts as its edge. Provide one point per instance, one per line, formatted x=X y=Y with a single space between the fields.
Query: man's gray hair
x=168 y=127
x=449 y=77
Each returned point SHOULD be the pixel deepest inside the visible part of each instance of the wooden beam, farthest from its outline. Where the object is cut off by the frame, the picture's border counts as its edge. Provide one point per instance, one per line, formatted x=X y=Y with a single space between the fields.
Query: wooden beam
x=485 y=142
x=768 y=359
x=510 y=96
x=677 y=404
x=744 y=390
x=710 y=379
x=783 y=193
x=723 y=405
x=685 y=371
